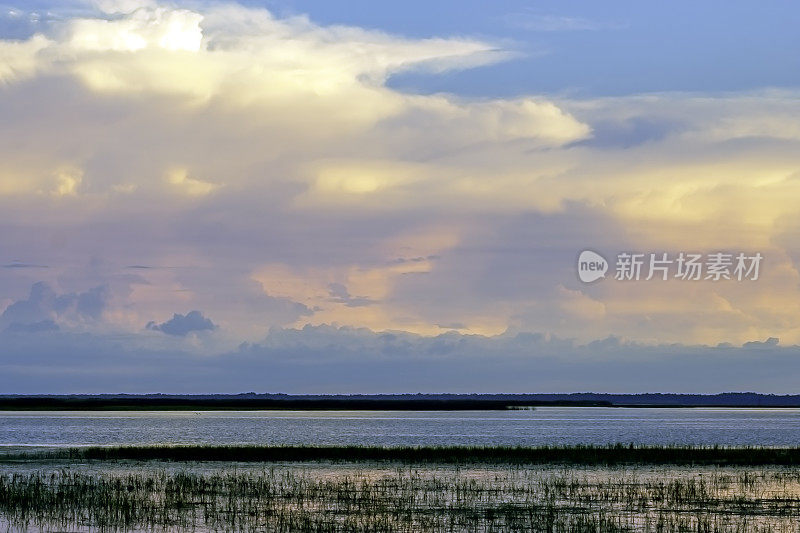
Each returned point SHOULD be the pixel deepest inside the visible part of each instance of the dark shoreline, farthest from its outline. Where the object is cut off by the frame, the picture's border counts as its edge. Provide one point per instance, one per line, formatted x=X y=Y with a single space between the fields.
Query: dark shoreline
x=387 y=402
x=569 y=455
x=180 y=404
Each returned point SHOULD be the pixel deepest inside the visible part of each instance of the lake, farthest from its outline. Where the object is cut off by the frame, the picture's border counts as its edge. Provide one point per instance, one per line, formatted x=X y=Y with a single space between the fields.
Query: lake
x=544 y=425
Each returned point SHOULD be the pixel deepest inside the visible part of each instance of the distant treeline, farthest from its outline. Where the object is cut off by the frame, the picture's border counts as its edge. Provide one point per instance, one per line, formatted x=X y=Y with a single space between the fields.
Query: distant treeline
x=421 y=402
x=87 y=403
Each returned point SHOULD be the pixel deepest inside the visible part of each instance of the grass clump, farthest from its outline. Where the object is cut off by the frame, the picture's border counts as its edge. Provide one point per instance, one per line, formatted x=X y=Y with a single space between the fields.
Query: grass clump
x=576 y=455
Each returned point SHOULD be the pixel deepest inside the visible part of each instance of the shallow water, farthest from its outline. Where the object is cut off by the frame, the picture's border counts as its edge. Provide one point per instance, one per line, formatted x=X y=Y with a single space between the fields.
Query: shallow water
x=381 y=496
x=546 y=425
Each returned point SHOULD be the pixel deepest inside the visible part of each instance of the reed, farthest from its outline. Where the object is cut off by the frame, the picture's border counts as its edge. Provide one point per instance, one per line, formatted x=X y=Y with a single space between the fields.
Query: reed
x=578 y=455
x=279 y=498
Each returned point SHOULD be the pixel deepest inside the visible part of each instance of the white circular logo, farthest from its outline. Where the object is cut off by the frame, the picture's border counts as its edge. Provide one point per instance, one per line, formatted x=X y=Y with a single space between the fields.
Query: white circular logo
x=591 y=266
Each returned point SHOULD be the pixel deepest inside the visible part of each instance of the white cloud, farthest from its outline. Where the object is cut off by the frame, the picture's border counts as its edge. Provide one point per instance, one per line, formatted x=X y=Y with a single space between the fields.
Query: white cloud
x=160 y=27
x=122 y=6
x=67 y=181
x=20 y=59
x=179 y=177
x=222 y=145
x=232 y=52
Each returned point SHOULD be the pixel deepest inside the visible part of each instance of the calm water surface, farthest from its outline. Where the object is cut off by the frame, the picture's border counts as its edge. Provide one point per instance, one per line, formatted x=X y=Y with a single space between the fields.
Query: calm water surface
x=546 y=425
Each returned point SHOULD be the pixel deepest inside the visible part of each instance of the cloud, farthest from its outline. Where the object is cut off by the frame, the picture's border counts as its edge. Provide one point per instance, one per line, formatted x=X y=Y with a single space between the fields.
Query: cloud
x=182 y=325
x=226 y=48
x=326 y=359
x=44 y=307
x=284 y=178
x=770 y=342
x=339 y=294
x=452 y=325
x=188 y=185
x=35 y=327
x=138 y=29
x=68 y=181
x=547 y=22
x=20 y=264
x=18 y=59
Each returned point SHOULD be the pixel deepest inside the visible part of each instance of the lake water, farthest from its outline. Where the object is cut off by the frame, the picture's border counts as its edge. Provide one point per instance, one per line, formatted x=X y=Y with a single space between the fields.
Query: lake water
x=545 y=425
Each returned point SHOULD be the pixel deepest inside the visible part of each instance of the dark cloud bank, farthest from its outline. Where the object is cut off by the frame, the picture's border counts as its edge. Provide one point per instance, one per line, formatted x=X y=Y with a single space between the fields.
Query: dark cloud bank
x=326 y=359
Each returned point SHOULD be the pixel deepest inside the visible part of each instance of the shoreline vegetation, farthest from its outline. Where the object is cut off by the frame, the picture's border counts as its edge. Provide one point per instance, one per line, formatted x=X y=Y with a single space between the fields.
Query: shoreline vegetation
x=584 y=489
x=387 y=402
x=611 y=455
x=613 y=489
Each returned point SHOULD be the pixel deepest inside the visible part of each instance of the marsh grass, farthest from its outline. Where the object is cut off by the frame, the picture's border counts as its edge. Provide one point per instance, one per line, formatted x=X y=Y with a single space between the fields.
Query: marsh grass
x=327 y=489
x=579 y=455
x=403 y=498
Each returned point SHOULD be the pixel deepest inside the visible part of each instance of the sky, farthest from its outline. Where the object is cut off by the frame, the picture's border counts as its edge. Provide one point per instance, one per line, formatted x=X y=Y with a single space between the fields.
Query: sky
x=361 y=197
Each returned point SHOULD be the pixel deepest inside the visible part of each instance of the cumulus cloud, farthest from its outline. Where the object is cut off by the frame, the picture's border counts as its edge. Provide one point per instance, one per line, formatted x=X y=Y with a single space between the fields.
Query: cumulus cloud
x=284 y=177
x=182 y=325
x=44 y=307
x=770 y=342
x=243 y=53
